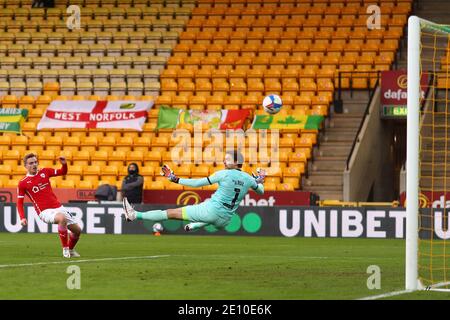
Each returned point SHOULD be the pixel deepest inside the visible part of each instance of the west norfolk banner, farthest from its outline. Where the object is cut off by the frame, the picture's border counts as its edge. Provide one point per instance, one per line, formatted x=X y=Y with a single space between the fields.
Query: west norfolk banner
x=11 y=119
x=172 y=118
x=96 y=114
x=283 y=221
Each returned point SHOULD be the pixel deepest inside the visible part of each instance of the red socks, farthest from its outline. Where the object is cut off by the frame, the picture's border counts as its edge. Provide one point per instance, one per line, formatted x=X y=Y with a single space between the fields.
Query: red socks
x=63 y=236
x=73 y=240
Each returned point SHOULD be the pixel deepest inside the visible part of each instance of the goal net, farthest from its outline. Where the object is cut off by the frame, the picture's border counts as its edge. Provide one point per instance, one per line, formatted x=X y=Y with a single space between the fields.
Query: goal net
x=428 y=158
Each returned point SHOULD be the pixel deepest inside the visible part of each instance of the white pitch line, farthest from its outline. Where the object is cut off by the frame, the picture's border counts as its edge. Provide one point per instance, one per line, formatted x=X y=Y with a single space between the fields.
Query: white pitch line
x=4 y=266
x=386 y=295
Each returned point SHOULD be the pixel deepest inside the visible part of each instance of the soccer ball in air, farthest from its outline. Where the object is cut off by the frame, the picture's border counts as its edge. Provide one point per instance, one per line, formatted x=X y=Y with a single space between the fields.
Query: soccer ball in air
x=157 y=227
x=272 y=103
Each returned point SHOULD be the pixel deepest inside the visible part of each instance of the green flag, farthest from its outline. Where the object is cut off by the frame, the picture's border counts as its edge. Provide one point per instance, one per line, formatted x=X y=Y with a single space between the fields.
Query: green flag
x=313 y=122
x=167 y=118
x=11 y=119
x=283 y=121
x=171 y=118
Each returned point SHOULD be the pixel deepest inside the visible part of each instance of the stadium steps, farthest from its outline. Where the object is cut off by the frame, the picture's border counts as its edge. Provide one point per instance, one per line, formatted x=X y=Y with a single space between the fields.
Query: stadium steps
x=330 y=156
x=339 y=136
x=329 y=149
x=325 y=178
x=324 y=191
x=333 y=164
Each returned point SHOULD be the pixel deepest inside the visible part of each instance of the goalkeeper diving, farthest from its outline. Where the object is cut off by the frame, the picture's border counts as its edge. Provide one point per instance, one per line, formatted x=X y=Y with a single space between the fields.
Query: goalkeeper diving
x=219 y=209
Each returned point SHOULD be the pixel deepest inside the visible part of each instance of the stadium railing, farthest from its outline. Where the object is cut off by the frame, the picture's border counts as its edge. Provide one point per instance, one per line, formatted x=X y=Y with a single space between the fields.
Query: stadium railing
x=337 y=203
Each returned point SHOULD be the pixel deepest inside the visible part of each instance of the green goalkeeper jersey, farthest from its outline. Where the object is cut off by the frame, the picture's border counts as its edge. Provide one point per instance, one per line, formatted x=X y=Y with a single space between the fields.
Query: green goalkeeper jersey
x=233 y=186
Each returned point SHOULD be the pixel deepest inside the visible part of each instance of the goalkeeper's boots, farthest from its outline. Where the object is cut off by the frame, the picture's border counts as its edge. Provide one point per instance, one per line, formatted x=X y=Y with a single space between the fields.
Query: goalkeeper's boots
x=130 y=213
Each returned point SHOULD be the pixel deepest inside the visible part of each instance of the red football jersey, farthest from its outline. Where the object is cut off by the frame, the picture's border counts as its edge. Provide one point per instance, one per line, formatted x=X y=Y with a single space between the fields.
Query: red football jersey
x=39 y=190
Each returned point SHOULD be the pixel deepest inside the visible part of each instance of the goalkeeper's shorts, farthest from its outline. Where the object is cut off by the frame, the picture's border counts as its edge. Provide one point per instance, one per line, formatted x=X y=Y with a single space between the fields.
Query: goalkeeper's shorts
x=207 y=213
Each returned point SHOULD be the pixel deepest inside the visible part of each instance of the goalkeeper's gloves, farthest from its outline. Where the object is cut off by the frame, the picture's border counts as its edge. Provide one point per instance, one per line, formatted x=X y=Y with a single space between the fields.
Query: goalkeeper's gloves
x=168 y=173
x=260 y=175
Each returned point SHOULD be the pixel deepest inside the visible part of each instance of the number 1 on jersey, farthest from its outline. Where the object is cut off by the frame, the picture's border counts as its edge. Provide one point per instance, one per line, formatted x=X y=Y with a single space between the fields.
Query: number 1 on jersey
x=233 y=202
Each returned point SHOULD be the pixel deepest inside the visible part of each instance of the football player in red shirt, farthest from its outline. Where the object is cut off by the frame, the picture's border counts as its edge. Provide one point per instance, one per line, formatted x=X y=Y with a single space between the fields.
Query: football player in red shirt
x=36 y=185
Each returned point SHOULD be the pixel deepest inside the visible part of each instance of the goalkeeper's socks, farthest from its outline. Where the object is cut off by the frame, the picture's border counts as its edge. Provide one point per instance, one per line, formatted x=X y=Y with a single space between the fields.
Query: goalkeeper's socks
x=154 y=215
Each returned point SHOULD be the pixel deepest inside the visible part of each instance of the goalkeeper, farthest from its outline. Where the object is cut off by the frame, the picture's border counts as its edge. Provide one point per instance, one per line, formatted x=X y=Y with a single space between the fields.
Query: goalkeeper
x=233 y=186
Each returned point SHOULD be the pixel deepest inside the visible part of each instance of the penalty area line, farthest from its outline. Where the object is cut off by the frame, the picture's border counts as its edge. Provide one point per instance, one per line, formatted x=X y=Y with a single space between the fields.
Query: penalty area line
x=74 y=261
x=386 y=295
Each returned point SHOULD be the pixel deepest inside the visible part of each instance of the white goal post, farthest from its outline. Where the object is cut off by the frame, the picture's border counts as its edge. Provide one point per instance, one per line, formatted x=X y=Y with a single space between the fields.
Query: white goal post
x=416 y=26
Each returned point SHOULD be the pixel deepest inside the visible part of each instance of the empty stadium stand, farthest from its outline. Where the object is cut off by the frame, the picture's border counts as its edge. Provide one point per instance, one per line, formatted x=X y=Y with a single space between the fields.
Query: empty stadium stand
x=204 y=55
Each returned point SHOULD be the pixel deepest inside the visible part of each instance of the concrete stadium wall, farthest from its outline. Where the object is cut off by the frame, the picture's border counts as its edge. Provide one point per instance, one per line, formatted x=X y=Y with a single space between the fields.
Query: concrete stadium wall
x=369 y=177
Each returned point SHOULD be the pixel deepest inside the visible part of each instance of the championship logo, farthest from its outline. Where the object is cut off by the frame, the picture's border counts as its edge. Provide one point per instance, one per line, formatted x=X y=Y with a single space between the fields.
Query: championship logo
x=402 y=81
x=188 y=197
x=423 y=201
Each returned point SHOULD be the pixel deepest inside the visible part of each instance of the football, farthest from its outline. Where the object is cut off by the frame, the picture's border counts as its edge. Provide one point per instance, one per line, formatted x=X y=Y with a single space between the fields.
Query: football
x=157 y=227
x=272 y=104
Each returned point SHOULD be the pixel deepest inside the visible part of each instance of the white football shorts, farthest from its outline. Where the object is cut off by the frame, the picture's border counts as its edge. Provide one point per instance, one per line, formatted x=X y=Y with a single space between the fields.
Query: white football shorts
x=48 y=215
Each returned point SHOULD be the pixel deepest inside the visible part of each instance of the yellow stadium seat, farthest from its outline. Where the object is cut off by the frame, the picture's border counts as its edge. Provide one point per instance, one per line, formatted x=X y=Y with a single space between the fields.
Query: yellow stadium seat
x=109 y=180
x=92 y=170
x=46 y=163
x=135 y=156
x=153 y=185
x=5 y=140
x=270 y=186
x=20 y=142
x=66 y=184
x=68 y=154
x=285 y=187
x=75 y=170
x=117 y=156
x=199 y=171
x=10 y=101
x=11 y=155
x=29 y=128
x=294 y=181
x=5 y=169
x=274 y=180
x=92 y=178
x=160 y=141
x=12 y=183
x=81 y=155
x=3 y=181
x=84 y=184
x=47 y=155
x=183 y=170
x=20 y=171
x=147 y=171
x=297 y=157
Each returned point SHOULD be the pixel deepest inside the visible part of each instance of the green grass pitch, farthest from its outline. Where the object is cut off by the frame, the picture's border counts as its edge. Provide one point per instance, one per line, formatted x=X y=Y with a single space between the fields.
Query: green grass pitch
x=201 y=267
